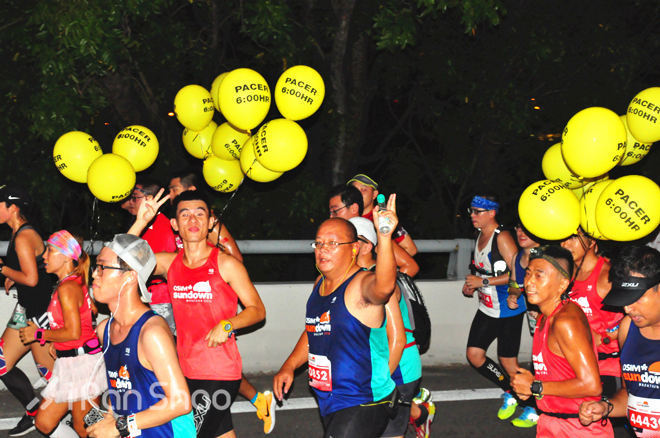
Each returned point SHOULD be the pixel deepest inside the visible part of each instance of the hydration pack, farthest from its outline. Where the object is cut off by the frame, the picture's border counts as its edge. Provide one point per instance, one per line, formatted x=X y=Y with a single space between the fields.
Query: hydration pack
x=417 y=312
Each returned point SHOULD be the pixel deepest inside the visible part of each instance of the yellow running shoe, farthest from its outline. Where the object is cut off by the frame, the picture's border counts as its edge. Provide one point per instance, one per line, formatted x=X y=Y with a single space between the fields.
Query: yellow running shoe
x=265 y=405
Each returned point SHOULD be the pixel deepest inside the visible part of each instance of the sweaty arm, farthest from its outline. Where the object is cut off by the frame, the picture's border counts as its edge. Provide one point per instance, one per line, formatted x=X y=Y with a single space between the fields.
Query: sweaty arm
x=408 y=244
x=396 y=332
x=404 y=261
x=227 y=242
x=70 y=297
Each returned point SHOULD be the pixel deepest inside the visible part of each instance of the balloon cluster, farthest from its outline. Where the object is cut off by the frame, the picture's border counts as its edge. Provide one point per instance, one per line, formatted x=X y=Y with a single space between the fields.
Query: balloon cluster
x=578 y=191
x=110 y=177
x=230 y=150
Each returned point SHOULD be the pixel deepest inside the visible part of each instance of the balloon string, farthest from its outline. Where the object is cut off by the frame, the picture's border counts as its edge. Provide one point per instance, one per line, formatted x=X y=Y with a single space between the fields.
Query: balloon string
x=93 y=227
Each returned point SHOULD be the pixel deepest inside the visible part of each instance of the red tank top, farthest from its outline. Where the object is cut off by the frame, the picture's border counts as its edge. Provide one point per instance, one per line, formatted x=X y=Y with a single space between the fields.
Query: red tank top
x=160 y=238
x=200 y=300
x=585 y=295
x=56 y=318
x=549 y=367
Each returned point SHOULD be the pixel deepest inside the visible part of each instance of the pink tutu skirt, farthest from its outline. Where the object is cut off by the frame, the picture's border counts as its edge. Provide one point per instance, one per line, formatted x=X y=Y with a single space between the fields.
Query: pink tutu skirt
x=77 y=378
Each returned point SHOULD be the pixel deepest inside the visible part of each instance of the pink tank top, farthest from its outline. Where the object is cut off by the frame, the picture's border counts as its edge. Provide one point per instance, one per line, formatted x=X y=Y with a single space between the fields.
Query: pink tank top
x=56 y=318
x=200 y=300
x=585 y=295
x=549 y=367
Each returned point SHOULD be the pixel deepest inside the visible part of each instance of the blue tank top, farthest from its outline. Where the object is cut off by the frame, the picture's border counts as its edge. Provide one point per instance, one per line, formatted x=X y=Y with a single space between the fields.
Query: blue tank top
x=410 y=365
x=347 y=360
x=640 y=364
x=133 y=388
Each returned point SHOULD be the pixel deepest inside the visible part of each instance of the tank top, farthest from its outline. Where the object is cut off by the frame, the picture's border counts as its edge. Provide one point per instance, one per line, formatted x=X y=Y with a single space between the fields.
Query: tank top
x=549 y=367
x=133 y=388
x=585 y=295
x=492 y=299
x=56 y=317
x=410 y=365
x=347 y=360
x=160 y=238
x=640 y=362
x=34 y=299
x=200 y=300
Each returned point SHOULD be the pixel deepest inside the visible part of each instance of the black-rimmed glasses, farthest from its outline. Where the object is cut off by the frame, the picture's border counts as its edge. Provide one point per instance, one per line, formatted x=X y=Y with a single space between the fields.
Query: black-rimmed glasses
x=104 y=267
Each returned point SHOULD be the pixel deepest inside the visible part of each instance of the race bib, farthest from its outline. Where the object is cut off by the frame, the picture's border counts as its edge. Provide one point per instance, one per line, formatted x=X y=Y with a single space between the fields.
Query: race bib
x=320 y=372
x=644 y=413
x=486 y=299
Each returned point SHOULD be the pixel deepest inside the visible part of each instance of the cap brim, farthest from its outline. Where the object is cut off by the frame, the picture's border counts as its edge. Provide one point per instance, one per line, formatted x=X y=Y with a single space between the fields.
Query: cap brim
x=145 y=295
x=620 y=298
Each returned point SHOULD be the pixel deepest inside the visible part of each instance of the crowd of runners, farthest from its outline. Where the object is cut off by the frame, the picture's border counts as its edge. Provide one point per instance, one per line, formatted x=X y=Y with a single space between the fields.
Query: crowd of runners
x=166 y=362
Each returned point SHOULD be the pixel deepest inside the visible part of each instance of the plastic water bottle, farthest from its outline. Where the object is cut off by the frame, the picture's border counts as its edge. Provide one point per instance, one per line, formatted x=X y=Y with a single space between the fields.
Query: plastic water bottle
x=384 y=223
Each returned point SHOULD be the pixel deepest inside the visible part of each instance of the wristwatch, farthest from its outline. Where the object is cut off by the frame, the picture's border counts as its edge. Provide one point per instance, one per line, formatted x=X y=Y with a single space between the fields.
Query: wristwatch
x=226 y=326
x=485 y=282
x=536 y=388
x=122 y=427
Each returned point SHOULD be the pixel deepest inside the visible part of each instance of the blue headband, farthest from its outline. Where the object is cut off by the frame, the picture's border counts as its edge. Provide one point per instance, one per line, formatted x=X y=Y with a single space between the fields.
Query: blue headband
x=484 y=203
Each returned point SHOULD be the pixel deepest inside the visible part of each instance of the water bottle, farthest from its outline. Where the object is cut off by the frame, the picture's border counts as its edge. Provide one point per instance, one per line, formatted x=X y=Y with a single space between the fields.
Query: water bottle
x=384 y=223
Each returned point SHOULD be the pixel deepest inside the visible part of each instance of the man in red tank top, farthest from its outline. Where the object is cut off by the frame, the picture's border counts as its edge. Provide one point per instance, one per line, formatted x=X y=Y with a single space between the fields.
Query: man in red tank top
x=565 y=365
x=205 y=286
x=590 y=286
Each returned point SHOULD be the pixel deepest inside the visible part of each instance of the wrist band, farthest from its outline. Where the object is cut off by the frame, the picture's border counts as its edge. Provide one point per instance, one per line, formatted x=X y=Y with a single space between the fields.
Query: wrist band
x=133 y=428
x=610 y=408
x=39 y=336
x=613 y=329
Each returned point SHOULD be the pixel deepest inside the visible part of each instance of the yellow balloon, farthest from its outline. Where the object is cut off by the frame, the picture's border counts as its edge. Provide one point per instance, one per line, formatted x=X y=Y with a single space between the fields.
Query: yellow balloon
x=222 y=175
x=215 y=90
x=252 y=168
x=579 y=192
x=635 y=150
x=281 y=145
x=549 y=210
x=193 y=107
x=554 y=168
x=588 y=209
x=628 y=208
x=244 y=98
x=73 y=153
x=643 y=113
x=138 y=145
x=299 y=92
x=593 y=142
x=198 y=143
x=227 y=142
x=111 y=178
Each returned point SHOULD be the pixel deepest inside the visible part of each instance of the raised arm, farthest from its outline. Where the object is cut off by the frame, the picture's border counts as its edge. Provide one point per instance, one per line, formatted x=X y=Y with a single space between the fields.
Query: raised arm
x=377 y=288
x=147 y=211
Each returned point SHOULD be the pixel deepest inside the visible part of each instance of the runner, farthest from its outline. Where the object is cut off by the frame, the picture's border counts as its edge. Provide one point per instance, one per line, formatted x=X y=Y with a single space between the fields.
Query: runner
x=345 y=340
x=405 y=362
x=148 y=394
x=77 y=376
x=635 y=277
x=206 y=286
x=564 y=355
x=23 y=267
x=494 y=319
x=369 y=190
x=529 y=417
x=590 y=286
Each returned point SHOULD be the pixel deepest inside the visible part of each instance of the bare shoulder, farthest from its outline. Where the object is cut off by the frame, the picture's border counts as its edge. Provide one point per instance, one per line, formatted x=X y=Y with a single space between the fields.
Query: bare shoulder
x=624 y=328
x=227 y=261
x=154 y=326
x=570 y=318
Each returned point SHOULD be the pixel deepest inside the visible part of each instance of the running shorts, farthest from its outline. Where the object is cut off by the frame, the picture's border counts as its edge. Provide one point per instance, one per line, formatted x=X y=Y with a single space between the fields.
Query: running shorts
x=485 y=329
x=211 y=403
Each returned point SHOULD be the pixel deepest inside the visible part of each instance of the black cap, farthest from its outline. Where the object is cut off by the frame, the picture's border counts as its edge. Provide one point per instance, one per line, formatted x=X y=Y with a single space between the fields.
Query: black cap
x=627 y=290
x=14 y=195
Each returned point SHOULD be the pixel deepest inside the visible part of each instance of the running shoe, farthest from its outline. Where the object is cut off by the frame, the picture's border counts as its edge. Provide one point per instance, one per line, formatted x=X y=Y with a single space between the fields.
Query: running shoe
x=508 y=408
x=24 y=426
x=528 y=418
x=423 y=430
x=423 y=396
x=265 y=405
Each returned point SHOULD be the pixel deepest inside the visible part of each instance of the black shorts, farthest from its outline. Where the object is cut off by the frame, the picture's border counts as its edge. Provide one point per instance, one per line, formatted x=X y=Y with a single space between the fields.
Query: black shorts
x=211 y=402
x=485 y=329
x=398 y=425
x=363 y=421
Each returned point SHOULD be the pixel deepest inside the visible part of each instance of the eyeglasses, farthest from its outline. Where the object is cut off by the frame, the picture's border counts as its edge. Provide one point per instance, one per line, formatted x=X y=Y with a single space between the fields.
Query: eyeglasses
x=335 y=211
x=103 y=268
x=329 y=245
x=471 y=210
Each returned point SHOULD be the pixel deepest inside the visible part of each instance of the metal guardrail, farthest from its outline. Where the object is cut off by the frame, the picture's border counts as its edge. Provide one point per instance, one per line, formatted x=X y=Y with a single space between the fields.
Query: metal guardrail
x=460 y=250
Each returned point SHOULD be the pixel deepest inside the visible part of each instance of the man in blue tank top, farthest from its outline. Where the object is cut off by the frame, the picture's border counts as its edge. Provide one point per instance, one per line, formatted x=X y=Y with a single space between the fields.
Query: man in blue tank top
x=635 y=277
x=147 y=391
x=345 y=341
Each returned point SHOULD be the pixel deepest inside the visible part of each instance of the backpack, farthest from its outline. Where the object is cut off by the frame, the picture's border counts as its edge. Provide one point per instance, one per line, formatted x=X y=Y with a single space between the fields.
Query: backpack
x=417 y=312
